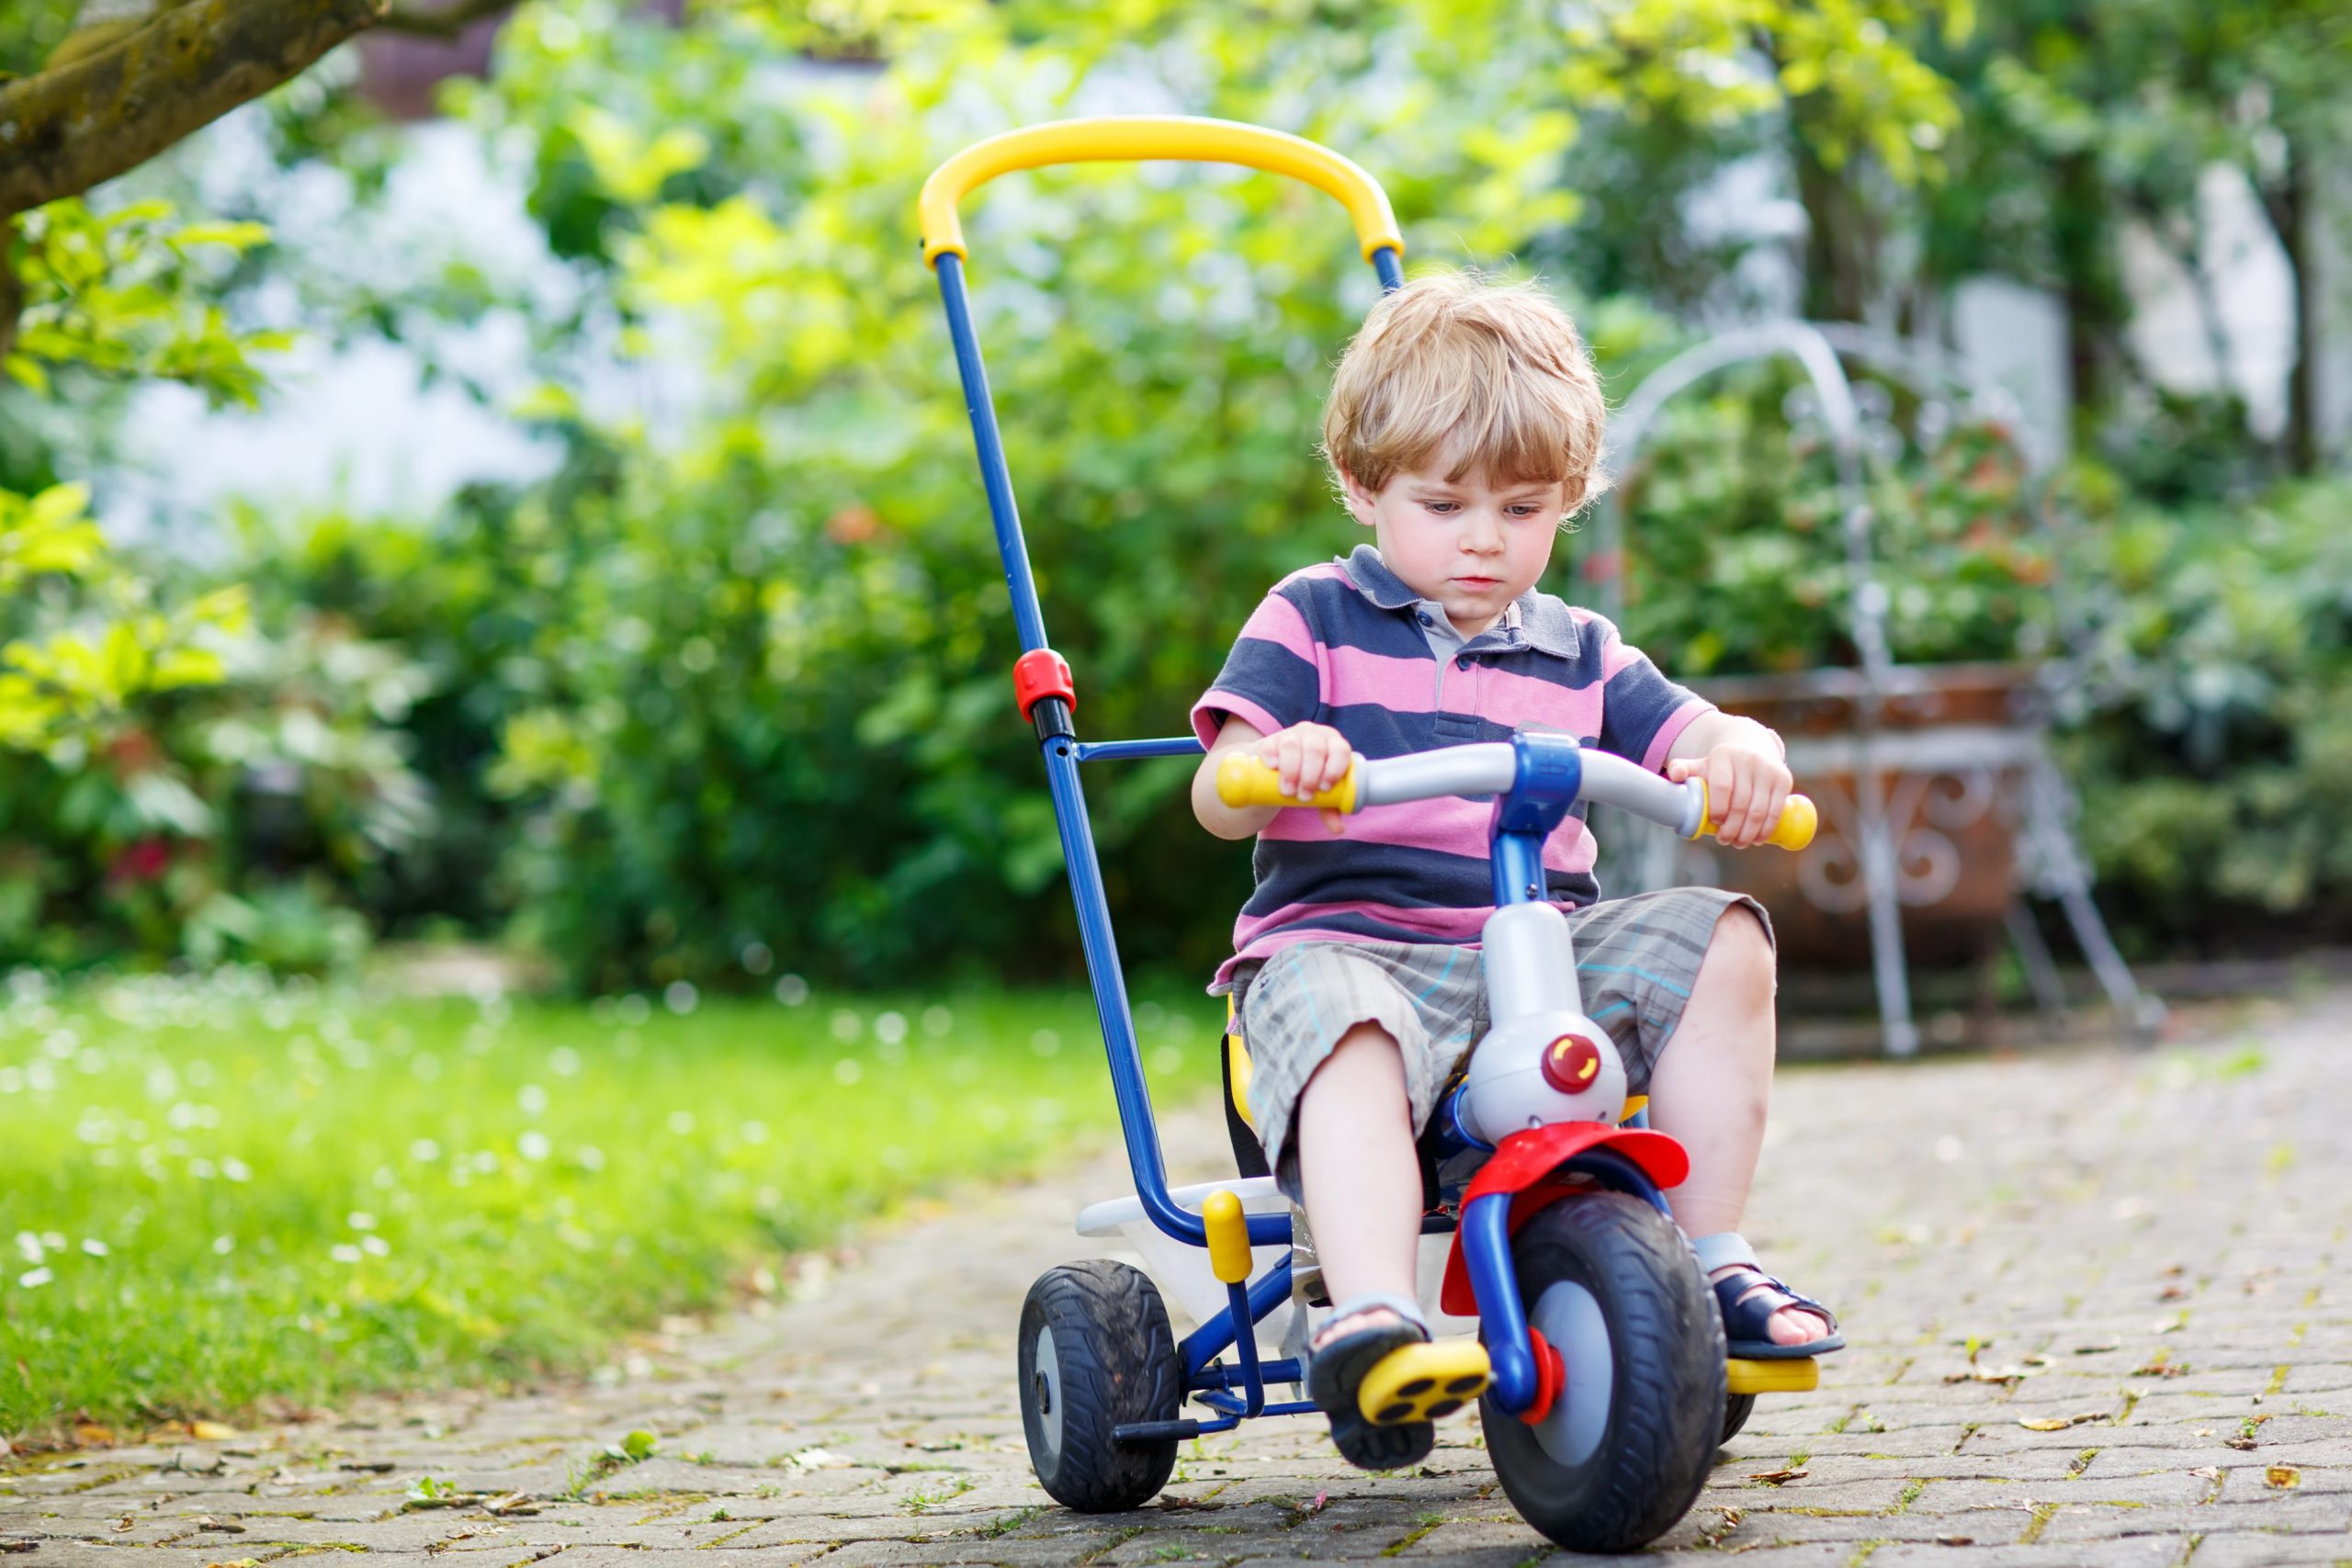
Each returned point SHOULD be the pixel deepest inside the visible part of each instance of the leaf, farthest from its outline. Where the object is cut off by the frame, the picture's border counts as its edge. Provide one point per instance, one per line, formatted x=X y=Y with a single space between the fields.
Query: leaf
x=212 y=1431
x=639 y=1444
x=1779 y=1477
x=2284 y=1476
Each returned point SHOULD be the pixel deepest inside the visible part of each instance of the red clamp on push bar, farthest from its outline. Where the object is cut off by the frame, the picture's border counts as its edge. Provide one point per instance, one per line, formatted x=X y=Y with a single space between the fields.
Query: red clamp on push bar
x=1037 y=675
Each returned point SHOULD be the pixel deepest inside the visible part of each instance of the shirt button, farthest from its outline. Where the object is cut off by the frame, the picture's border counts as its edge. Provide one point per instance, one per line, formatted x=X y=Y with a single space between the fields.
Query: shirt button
x=1463 y=662
x=1425 y=619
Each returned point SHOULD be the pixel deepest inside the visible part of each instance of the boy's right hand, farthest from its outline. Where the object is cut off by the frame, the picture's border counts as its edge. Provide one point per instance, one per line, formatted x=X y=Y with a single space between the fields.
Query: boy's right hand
x=1309 y=757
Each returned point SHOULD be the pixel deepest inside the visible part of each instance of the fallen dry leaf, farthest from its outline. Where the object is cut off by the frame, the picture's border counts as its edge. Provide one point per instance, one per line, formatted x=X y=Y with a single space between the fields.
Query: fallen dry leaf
x=2241 y=1444
x=2172 y=1293
x=15 y=1543
x=2207 y=1472
x=1778 y=1477
x=513 y=1503
x=238 y=1562
x=2283 y=1475
x=212 y=1431
x=92 y=1435
x=230 y=1527
x=2054 y=1424
x=1955 y=1540
x=2099 y=1348
x=1989 y=1374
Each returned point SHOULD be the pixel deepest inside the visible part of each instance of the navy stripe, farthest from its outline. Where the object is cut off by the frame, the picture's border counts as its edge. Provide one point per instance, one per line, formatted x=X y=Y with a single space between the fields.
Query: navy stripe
x=1295 y=871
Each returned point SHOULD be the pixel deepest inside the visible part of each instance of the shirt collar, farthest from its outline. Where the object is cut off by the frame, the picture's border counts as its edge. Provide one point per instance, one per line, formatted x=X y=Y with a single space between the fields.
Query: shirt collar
x=1528 y=621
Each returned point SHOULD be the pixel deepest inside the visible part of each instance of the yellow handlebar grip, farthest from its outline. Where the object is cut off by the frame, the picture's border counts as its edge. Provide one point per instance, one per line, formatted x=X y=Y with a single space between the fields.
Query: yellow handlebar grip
x=1795 y=830
x=1245 y=780
x=1131 y=138
x=1229 y=1238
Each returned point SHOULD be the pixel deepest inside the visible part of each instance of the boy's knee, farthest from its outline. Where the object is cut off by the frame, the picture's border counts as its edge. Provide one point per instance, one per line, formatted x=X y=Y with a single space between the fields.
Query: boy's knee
x=1740 y=955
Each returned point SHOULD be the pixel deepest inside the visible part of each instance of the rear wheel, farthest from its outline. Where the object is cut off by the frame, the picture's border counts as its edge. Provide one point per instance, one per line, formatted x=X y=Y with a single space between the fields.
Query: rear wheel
x=1096 y=1353
x=1736 y=1410
x=1620 y=1457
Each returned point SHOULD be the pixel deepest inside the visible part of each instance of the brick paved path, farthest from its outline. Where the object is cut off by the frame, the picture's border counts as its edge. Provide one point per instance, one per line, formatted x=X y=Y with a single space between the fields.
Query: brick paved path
x=2142 y=1246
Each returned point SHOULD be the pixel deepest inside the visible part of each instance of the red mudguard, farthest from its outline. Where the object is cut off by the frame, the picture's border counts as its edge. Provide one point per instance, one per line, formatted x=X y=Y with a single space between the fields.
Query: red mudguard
x=1523 y=1164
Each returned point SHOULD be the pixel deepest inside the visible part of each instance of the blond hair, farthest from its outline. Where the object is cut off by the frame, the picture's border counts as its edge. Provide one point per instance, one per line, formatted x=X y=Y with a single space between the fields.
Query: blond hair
x=1494 y=373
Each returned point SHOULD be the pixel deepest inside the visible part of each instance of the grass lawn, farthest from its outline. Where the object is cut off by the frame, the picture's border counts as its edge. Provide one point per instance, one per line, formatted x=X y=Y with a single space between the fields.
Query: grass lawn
x=221 y=1190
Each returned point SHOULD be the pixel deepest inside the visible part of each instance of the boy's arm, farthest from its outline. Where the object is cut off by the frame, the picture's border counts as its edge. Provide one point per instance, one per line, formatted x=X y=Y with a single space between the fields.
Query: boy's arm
x=1228 y=821
x=1746 y=766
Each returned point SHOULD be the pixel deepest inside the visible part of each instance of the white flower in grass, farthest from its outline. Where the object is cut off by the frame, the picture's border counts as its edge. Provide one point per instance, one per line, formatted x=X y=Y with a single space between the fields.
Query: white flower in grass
x=563 y=1061
x=224 y=1245
x=890 y=1028
x=425 y=1151
x=846 y=1071
x=937 y=1021
x=236 y=1170
x=360 y=1220
x=682 y=1123
x=681 y=996
x=34 y=1279
x=531 y=1099
x=345 y=1253
x=375 y=1246
x=93 y=1247
x=791 y=991
x=846 y=1024
x=29 y=1245
x=534 y=1145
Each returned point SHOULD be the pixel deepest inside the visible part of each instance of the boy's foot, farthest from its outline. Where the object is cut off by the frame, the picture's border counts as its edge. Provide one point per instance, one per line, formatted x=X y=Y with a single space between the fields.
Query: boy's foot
x=1762 y=1316
x=1349 y=1348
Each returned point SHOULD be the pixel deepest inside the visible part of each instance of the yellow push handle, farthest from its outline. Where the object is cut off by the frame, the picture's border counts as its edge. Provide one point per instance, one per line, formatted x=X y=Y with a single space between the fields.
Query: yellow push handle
x=1245 y=780
x=1122 y=139
x=1228 y=1230
x=1793 y=831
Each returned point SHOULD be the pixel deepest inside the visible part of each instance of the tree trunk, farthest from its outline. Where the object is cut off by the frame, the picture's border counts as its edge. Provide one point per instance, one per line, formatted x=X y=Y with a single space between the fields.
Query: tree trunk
x=96 y=116
x=2291 y=211
x=2079 y=245
x=1841 y=235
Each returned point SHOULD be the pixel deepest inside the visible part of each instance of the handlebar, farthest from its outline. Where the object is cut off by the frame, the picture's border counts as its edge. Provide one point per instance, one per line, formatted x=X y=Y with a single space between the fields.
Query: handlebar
x=1491 y=767
x=1131 y=138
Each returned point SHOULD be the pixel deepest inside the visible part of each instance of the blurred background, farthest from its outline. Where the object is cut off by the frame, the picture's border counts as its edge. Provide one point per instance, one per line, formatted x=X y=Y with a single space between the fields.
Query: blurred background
x=507 y=483
x=485 y=500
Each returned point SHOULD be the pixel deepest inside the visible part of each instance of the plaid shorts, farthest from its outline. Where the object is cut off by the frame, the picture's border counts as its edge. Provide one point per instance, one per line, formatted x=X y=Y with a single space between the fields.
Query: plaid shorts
x=1636 y=958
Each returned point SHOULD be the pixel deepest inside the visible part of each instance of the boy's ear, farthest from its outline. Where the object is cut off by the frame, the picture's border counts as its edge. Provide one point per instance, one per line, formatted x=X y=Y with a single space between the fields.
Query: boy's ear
x=1359 y=500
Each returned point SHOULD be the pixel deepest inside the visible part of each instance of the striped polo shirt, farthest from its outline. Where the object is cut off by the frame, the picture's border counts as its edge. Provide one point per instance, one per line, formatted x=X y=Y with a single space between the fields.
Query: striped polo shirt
x=1347 y=644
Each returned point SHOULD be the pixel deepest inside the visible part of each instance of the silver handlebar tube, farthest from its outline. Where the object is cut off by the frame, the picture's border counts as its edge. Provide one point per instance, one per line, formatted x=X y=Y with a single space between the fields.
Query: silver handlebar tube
x=1487 y=767
x=1491 y=767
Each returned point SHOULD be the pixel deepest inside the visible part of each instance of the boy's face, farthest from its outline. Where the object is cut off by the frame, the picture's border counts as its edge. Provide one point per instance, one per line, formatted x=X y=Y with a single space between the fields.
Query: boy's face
x=1469 y=545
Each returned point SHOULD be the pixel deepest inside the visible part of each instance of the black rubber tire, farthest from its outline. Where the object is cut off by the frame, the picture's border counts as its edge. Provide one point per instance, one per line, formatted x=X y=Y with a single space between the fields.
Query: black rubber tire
x=1738 y=1407
x=1667 y=1377
x=1115 y=1361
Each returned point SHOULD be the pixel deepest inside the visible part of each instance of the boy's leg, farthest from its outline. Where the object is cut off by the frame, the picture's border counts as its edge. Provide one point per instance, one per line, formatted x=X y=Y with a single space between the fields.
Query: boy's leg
x=1711 y=1088
x=1360 y=1178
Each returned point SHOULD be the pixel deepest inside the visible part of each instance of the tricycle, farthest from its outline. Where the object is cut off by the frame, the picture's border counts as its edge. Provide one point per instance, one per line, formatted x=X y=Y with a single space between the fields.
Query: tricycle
x=1578 y=1318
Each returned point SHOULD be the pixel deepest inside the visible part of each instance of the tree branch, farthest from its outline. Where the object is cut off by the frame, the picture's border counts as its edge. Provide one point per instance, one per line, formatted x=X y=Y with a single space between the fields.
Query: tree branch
x=445 y=25
x=83 y=122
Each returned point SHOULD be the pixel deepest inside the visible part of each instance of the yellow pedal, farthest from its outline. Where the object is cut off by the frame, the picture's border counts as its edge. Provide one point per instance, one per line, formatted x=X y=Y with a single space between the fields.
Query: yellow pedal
x=1423 y=1382
x=1798 y=1375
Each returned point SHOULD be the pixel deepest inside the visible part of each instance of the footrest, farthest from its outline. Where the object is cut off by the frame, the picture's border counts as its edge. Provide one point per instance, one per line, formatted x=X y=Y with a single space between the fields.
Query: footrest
x=1798 y=1375
x=1423 y=1382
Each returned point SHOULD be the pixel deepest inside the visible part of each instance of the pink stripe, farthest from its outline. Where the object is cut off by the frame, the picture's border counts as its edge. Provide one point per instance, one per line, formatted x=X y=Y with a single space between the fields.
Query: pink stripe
x=1207 y=715
x=1325 y=572
x=1277 y=620
x=1443 y=924
x=1400 y=685
x=1662 y=743
x=1450 y=824
x=1514 y=700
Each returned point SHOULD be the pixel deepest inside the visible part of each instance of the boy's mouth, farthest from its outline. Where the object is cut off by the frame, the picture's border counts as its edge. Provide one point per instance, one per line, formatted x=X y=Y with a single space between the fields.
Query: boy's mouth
x=1478 y=584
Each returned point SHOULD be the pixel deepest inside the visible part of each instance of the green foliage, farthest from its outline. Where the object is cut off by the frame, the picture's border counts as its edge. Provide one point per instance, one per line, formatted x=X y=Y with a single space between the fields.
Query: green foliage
x=1736 y=558
x=125 y=294
x=2214 y=775
x=224 y=1191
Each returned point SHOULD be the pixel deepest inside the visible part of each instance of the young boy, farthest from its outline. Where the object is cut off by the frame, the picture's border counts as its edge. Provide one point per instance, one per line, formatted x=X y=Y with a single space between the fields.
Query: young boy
x=1464 y=428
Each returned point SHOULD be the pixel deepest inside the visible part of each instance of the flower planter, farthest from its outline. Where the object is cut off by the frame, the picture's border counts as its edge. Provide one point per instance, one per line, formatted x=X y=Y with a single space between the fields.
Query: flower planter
x=1952 y=742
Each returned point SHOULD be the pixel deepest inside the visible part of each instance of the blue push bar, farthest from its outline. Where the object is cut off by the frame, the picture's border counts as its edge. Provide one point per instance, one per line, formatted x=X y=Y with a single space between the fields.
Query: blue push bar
x=1063 y=753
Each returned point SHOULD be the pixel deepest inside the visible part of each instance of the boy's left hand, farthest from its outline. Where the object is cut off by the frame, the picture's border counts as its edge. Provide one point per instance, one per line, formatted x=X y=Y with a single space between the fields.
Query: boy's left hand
x=1746 y=789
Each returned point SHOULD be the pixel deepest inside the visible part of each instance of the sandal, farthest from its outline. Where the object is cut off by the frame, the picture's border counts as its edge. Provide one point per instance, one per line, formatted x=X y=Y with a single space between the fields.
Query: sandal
x=1336 y=1372
x=1747 y=1303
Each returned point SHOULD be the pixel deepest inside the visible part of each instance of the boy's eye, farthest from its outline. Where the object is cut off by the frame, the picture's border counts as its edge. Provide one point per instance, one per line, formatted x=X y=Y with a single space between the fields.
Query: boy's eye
x=1525 y=509
x=1444 y=508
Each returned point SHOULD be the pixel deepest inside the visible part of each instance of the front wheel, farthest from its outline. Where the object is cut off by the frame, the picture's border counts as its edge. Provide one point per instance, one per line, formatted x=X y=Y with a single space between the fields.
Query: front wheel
x=1096 y=1353
x=1622 y=1454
